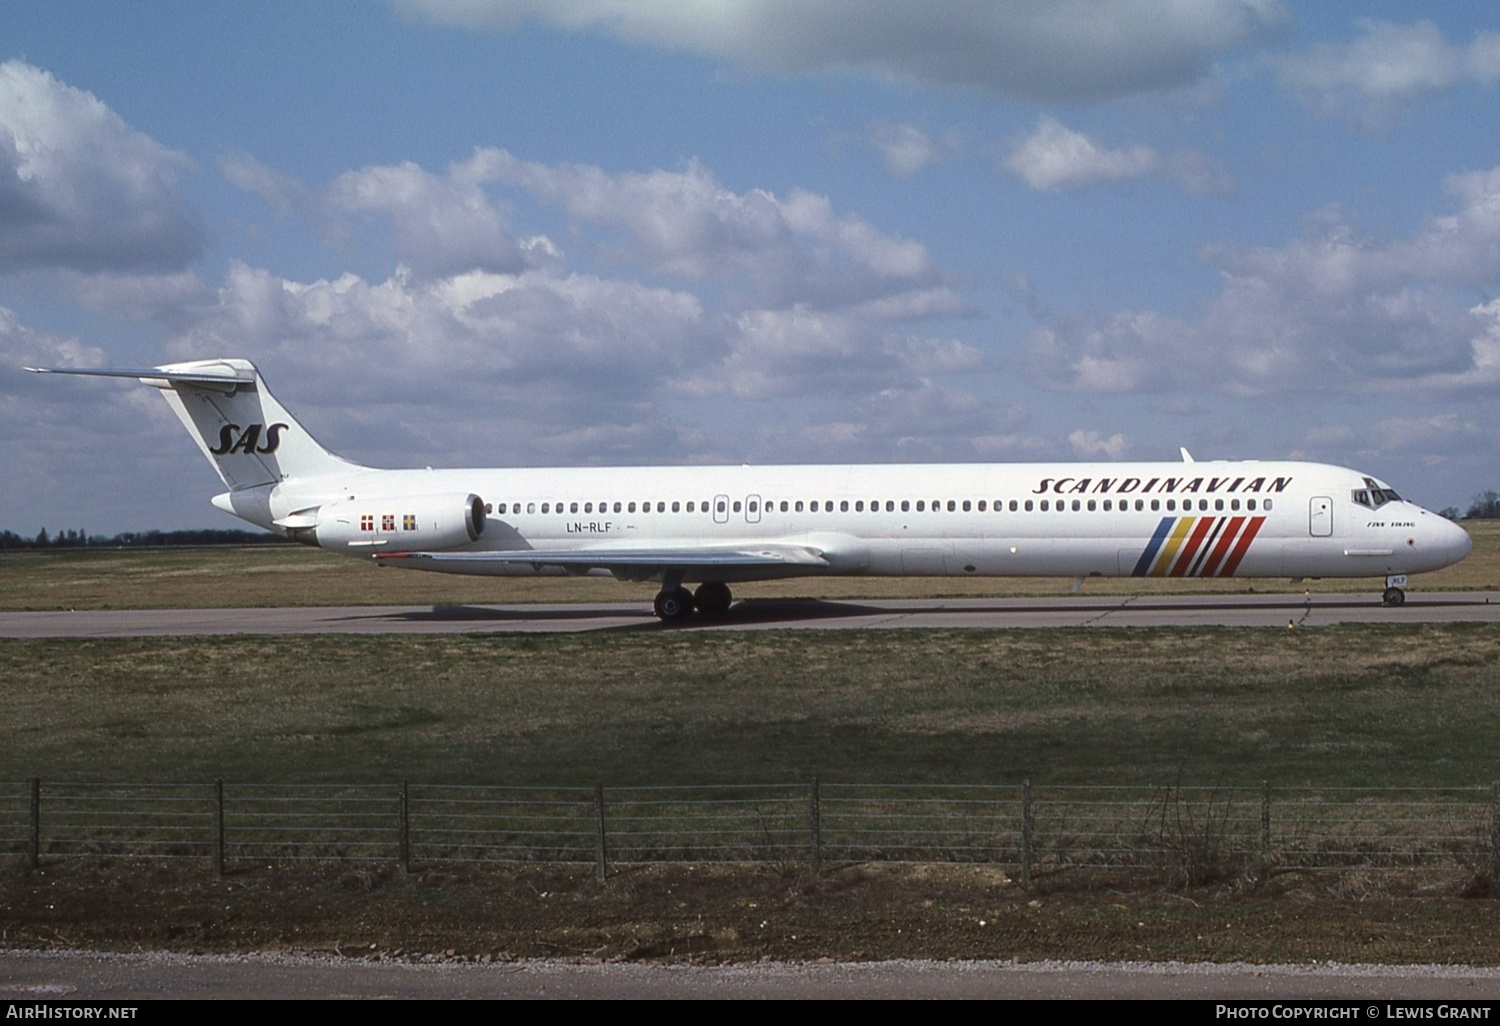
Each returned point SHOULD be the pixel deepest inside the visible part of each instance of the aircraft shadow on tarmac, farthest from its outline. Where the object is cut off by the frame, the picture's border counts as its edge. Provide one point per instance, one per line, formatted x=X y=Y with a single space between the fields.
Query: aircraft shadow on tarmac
x=758 y=611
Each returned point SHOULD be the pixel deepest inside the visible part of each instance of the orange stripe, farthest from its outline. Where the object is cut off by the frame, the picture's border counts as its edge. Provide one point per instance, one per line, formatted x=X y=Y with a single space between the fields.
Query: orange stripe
x=1169 y=550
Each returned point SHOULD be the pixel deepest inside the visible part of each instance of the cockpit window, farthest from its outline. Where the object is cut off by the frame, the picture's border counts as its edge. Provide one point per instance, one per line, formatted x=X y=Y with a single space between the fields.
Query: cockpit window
x=1372 y=496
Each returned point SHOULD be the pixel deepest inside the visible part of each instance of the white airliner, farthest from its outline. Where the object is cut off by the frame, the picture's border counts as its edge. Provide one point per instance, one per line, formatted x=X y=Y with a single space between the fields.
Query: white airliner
x=713 y=526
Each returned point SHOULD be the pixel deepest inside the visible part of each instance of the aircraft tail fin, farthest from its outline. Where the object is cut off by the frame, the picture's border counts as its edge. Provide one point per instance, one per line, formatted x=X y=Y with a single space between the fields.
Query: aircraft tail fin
x=244 y=432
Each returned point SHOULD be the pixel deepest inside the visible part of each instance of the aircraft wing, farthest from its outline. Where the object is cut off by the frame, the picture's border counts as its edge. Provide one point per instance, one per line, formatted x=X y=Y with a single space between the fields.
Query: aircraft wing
x=634 y=564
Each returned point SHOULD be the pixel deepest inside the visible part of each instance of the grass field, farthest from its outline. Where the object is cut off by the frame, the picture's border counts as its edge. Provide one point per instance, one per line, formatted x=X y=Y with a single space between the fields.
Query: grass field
x=1356 y=705
x=1353 y=705
x=283 y=576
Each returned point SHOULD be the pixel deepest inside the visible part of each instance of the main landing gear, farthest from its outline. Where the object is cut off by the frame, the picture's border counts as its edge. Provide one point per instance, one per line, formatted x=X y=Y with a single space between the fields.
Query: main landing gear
x=674 y=603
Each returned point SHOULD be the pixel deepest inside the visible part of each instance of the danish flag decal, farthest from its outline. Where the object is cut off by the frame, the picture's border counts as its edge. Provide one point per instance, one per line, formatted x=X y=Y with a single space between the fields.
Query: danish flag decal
x=1197 y=546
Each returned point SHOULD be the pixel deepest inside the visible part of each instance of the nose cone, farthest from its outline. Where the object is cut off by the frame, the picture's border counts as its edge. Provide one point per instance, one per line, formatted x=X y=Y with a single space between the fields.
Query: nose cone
x=1440 y=541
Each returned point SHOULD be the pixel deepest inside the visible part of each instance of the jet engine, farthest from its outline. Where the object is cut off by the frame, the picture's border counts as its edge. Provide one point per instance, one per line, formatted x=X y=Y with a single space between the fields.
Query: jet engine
x=398 y=524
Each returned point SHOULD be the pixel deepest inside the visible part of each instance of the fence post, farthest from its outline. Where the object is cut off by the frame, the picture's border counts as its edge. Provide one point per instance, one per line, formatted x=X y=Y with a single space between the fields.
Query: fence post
x=815 y=823
x=218 y=828
x=34 y=842
x=1495 y=831
x=1265 y=830
x=601 y=857
x=1026 y=827
x=403 y=826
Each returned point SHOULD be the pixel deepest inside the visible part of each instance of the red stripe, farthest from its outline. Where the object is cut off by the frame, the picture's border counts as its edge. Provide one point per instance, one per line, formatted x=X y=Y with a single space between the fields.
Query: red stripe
x=1191 y=548
x=1233 y=562
x=1225 y=540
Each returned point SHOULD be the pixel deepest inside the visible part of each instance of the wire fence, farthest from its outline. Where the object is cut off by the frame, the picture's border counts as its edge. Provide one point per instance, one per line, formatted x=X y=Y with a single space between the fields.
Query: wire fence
x=1187 y=834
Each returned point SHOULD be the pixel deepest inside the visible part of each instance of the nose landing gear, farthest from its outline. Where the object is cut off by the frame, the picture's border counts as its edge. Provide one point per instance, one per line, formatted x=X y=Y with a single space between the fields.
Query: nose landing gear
x=1395 y=590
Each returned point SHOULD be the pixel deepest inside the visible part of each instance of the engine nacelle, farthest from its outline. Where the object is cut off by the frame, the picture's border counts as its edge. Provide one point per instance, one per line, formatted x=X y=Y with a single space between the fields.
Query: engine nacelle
x=398 y=524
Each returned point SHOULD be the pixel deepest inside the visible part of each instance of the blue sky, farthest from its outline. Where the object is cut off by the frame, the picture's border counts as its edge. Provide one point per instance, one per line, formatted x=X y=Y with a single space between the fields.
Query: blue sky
x=480 y=232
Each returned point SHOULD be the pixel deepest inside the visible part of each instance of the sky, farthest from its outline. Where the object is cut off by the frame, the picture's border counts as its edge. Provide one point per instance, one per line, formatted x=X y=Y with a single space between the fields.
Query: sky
x=558 y=232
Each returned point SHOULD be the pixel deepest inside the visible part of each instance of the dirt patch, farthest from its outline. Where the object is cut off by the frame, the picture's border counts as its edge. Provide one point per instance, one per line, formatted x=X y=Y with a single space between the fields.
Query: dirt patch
x=710 y=914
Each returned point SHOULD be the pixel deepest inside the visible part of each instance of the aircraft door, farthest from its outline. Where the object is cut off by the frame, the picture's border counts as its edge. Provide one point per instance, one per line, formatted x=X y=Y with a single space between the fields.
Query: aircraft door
x=1320 y=516
x=752 y=509
x=721 y=509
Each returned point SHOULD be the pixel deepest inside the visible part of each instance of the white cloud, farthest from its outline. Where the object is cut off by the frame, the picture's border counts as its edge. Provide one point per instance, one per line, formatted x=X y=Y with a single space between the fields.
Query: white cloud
x=1069 y=51
x=1387 y=68
x=1092 y=444
x=442 y=224
x=80 y=189
x=282 y=192
x=1447 y=432
x=1333 y=311
x=1055 y=158
x=55 y=429
x=906 y=150
x=685 y=224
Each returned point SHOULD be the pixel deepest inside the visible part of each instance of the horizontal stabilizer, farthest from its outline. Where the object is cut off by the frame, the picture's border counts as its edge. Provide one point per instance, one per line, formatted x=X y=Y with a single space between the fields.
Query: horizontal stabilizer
x=202 y=376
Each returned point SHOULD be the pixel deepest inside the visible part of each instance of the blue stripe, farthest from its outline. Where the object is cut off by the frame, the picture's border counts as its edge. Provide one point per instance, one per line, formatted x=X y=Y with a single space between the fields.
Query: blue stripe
x=1162 y=530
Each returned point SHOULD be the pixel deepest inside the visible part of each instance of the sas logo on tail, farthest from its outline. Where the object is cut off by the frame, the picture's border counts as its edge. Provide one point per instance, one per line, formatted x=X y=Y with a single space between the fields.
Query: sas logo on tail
x=231 y=440
x=1197 y=546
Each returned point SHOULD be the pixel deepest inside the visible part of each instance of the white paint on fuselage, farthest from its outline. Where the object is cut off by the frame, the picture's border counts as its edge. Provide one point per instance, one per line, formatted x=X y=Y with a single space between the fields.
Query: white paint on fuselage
x=1398 y=537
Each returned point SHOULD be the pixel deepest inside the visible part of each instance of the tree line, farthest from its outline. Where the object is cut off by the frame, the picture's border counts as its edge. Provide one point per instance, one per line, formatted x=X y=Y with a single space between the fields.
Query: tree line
x=72 y=538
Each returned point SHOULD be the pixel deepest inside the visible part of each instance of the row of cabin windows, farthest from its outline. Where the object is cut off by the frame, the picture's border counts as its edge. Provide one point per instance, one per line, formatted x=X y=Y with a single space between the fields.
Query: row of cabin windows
x=890 y=506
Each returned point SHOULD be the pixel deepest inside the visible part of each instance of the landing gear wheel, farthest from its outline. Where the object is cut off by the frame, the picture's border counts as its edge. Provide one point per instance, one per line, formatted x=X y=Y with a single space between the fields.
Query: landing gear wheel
x=713 y=598
x=675 y=605
x=1393 y=597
